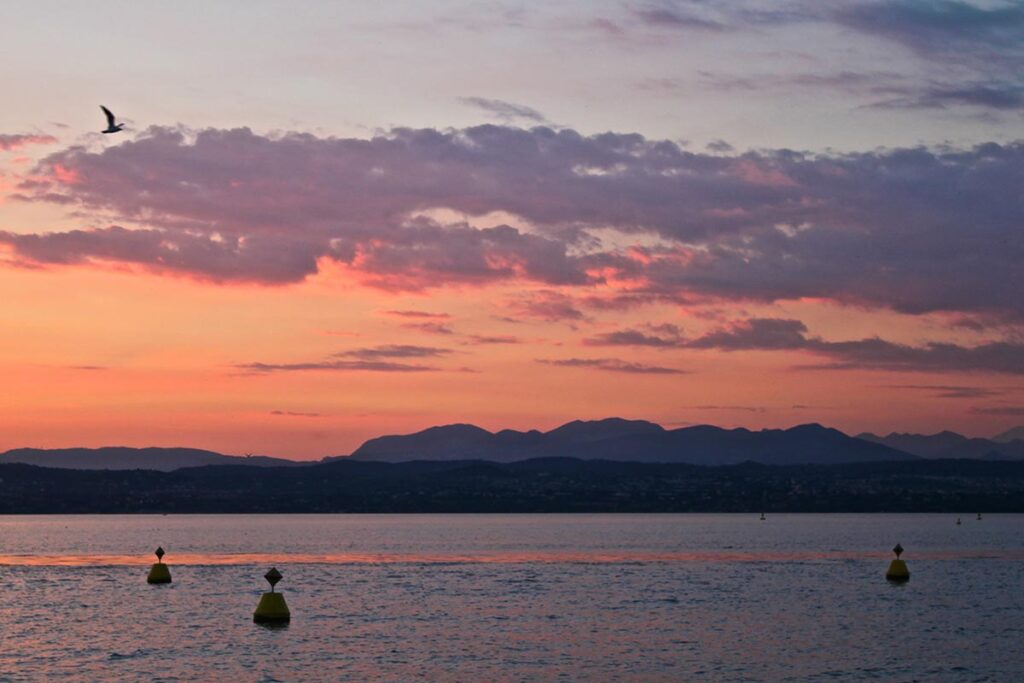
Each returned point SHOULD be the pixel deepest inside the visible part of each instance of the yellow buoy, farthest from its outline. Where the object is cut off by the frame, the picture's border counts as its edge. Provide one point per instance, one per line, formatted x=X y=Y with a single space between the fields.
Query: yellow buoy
x=898 y=568
x=159 y=573
x=272 y=608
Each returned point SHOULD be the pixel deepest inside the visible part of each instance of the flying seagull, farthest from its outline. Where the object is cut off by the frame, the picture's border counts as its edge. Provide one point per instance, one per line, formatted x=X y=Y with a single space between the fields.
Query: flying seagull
x=112 y=126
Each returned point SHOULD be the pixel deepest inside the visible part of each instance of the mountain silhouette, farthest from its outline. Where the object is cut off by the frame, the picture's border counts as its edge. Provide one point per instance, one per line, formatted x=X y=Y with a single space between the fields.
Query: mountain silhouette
x=631 y=441
x=123 y=458
x=1015 y=434
x=949 y=445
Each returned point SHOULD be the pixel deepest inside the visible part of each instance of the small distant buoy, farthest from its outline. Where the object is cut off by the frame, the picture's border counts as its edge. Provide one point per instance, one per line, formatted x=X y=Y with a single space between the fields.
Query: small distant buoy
x=272 y=608
x=898 y=571
x=762 y=517
x=979 y=516
x=159 y=573
x=958 y=521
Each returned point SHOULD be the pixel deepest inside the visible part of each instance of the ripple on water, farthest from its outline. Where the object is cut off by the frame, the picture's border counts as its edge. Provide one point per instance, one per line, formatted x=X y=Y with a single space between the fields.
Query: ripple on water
x=768 y=609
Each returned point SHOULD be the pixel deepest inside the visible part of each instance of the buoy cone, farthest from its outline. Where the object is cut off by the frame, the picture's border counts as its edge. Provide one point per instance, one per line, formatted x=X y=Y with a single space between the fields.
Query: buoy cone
x=272 y=608
x=159 y=573
x=898 y=571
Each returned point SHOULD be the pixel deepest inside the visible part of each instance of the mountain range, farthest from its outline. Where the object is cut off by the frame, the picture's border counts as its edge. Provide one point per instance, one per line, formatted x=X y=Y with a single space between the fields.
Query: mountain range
x=952 y=445
x=123 y=458
x=612 y=439
x=631 y=441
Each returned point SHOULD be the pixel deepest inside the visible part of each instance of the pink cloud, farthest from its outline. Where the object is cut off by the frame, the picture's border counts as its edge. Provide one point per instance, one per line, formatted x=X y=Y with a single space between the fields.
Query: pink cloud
x=9 y=141
x=915 y=230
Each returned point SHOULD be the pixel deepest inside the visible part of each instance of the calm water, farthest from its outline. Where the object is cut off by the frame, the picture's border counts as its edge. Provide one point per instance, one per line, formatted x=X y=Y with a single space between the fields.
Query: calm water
x=514 y=598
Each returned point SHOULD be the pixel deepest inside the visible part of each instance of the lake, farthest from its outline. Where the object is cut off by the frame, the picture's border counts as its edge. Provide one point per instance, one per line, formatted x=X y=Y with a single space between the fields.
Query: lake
x=514 y=598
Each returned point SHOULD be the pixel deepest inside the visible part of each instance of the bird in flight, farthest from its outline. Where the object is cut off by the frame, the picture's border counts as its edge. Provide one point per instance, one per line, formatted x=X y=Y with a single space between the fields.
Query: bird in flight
x=112 y=125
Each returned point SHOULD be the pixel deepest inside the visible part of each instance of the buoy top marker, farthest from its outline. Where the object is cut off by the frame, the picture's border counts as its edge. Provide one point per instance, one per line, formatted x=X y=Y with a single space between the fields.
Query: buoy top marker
x=159 y=554
x=272 y=577
x=898 y=550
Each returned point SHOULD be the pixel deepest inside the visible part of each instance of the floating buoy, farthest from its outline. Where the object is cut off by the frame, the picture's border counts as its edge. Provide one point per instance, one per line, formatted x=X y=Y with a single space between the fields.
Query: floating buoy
x=272 y=608
x=958 y=521
x=898 y=571
x=762 y=517
x=979 y=516
x=159 y=573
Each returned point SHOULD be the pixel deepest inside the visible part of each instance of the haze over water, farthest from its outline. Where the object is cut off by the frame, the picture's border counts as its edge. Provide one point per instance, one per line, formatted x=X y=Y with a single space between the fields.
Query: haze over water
x=514 y=597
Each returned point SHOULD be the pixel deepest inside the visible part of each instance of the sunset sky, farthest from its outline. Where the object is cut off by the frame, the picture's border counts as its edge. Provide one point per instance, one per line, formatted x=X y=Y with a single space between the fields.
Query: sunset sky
x=363 y=218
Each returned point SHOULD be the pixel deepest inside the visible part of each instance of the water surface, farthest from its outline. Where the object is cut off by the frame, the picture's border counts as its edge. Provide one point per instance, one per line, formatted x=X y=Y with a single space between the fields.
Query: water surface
x=514 y=598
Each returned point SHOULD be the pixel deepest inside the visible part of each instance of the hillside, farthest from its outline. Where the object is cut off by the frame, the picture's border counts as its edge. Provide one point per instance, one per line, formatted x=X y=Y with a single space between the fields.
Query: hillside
x=631 y=441
x=122 y=458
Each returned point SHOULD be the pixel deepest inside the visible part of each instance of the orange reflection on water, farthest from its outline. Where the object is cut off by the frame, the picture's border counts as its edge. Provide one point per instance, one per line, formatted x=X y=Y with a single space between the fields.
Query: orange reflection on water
x=554 y=557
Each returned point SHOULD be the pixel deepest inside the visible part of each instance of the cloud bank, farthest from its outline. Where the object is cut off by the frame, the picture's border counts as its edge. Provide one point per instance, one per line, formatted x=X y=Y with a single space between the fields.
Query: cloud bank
x=916 y=230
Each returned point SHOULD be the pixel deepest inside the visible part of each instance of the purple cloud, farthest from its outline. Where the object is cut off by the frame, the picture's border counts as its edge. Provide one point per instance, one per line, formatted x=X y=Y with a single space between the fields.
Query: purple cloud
x=492 y=339
x=12 y=141
x=394 y=351
x=635 y=338
x=1013 y=411
x=675 y=18
x=770 y=334
x=612 y=365
x=418 y=314
x=548 y=305
x=430 y=328
x=745 y=409
x=915 y=230
x=506 y=112
x=333 y=366
x=946 y=29
x=951 y=391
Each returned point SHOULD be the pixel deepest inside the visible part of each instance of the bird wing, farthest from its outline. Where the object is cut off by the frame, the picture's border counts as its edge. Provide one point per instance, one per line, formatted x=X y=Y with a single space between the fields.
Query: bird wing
x=110 y=115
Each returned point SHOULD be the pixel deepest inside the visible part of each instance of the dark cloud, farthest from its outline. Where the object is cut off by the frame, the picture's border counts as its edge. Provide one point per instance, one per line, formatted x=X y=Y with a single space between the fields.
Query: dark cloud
x=633 y=337
x=999 y=410
x=430 y=328
x=419 y=314
x=12 y=141
x=917 y=230
x=394 y=351
x=333 y=366
x=506 y=112
x=746 y=409
x=772 y=334
x=943 y=29
x=885 y=89
x=951 y=391
x=612 y=365
x=675 y=18
x=995 y=95
x=548 y=305
x=264 y=258
x=493 y=339
x=973 y=54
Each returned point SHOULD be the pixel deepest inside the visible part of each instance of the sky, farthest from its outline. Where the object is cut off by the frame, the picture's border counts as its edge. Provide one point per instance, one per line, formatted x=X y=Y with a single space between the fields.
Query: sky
x=370 y=218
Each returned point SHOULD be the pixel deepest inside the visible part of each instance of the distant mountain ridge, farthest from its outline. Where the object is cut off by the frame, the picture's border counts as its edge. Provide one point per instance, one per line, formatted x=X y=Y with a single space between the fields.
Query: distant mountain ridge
x=631 y=441
x=1014 y=434
x=613 y=439
x=950 y=445
x=124 y=458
